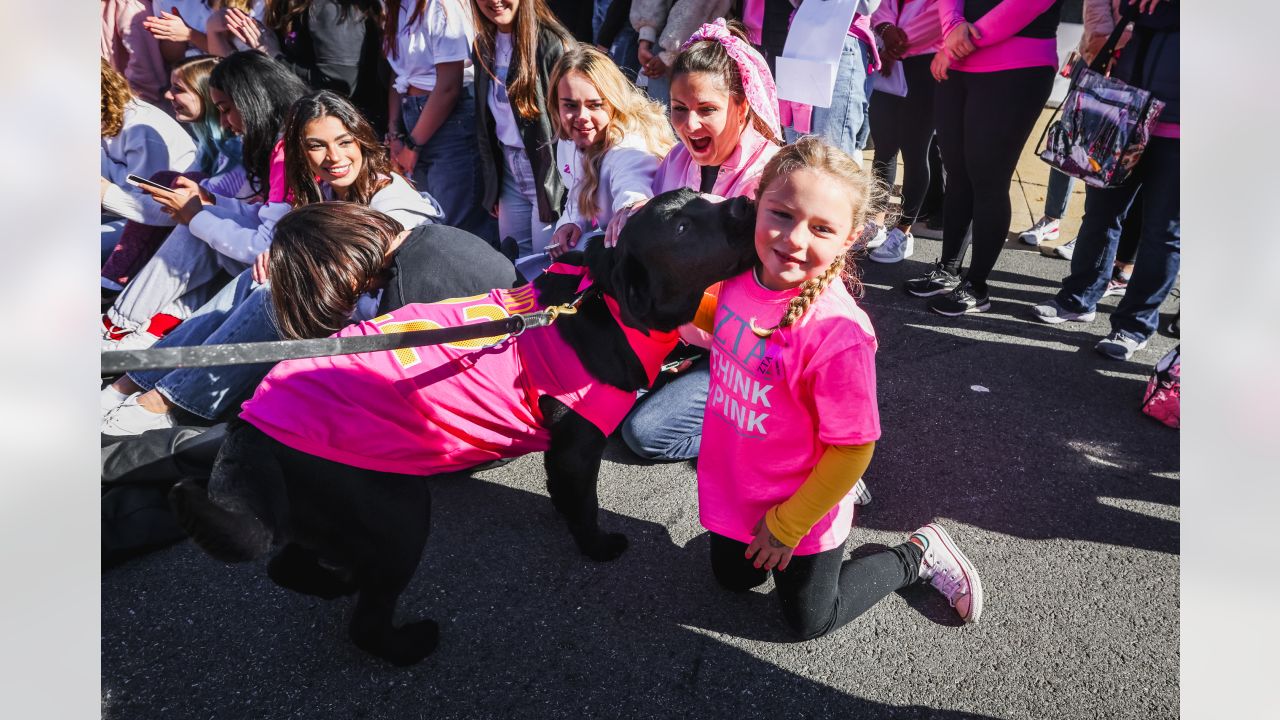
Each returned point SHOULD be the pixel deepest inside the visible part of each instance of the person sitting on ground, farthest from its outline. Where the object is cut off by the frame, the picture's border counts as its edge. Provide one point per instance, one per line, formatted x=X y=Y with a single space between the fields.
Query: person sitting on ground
x=138 y=138
x=216 y=235
x=610 y=138
x=217 y=168
x=331 y=154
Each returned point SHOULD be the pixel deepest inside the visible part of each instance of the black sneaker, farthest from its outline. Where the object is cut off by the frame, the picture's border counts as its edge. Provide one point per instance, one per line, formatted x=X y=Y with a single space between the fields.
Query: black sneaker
x=960 y=301
x=934 y=282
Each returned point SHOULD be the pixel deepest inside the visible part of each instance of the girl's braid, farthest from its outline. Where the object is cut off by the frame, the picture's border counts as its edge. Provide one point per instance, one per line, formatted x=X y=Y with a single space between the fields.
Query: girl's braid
x=809 y=292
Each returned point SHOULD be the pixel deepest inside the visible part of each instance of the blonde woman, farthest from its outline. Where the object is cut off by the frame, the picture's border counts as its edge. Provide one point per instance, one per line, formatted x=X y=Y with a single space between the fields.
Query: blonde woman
x=609 y=141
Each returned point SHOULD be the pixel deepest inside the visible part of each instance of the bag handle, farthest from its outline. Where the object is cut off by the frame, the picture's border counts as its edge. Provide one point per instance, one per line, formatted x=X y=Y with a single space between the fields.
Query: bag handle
x=1103 y=57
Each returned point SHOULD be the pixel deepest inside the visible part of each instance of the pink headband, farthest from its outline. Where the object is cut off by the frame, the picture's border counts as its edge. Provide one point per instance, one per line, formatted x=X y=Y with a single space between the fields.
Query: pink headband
x=757 y=82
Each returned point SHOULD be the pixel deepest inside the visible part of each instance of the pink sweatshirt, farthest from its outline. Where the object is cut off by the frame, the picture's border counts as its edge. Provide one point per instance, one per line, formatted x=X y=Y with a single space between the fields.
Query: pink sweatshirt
x=917 y=18
x=998 y=47
x=132 y=50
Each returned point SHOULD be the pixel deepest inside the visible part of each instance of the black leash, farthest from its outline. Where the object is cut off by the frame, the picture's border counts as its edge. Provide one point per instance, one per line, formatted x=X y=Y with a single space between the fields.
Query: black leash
x=115 y=362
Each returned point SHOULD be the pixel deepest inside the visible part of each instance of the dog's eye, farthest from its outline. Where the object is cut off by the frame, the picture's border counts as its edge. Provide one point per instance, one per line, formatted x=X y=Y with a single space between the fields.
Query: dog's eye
x=681 y=228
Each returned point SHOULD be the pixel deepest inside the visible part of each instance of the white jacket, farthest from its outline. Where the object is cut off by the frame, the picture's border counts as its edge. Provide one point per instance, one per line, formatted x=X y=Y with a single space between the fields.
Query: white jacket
x=626 y=175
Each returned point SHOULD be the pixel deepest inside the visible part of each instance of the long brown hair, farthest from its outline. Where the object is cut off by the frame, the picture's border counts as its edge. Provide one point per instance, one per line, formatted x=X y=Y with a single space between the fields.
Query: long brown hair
x=115 y=95
x=375 y=166
x=530 y=16
x=811 y=152
x=391 y=21
x=710 y=57
x=323 y=258
x=630 y=113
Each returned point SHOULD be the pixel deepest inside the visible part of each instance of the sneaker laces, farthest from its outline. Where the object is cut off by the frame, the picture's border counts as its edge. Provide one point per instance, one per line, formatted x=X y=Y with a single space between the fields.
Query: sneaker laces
x=949 y=581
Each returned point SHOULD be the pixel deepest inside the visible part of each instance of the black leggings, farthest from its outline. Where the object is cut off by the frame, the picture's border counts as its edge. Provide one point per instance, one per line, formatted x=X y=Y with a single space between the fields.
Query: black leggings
x=905 y=124
x=820 y=592
x=983 y=122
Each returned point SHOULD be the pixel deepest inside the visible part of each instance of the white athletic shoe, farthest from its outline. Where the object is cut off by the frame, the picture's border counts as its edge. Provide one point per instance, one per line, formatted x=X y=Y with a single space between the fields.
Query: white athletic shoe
x=137 y=340
x=949 y=571
x=898 y=247
x=130 y=418
x=110 y=399
x=1046 y=228
x=878 y=237
x=861 y=495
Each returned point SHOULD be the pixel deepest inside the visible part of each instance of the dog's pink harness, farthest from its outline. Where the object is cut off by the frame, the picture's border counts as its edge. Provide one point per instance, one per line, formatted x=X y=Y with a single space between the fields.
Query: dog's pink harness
x=440 y=408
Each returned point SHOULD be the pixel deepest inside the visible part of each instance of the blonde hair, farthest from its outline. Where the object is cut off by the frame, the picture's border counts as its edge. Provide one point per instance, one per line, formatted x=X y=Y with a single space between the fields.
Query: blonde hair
x=115 y=95
x=812 y=153
x=630 y=113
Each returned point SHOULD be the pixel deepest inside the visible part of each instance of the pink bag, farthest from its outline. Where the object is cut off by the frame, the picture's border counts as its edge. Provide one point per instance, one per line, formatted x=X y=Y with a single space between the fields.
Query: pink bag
x=1161 y=400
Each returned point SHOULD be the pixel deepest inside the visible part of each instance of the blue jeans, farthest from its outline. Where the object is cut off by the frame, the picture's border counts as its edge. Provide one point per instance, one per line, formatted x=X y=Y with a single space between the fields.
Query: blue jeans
x=1159 y=246
x=666 y=424
x=845 y=124
x=449 y=164
x=241 y=312
x=1055 y=200
x=518 y=211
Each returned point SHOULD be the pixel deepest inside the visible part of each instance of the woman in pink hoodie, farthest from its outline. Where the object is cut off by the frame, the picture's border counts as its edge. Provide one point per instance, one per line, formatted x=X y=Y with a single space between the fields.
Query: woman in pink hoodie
x=724 y=109
x=995 y=71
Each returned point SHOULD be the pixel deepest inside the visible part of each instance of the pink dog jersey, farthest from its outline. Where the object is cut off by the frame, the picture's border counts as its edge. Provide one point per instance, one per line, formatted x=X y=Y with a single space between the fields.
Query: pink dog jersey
x=439 y=408
x=776 y=404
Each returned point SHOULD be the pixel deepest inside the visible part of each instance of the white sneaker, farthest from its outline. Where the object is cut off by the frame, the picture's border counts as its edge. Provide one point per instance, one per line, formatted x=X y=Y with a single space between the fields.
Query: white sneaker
x=1066 y=251
x=138 y=340
x=130 y=418
x=878 y=237
x=949 y=571
x=1046 y=228
x=110 y=399
x=861 y=495
x=897 y=247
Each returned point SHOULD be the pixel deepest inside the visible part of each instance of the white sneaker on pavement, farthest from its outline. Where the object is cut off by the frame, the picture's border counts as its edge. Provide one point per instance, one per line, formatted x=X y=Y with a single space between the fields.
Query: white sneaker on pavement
x=898 y=246
x=130 y=418
x=878 y=237
x=949 y=571
x=1046 y=228
x=861 y=495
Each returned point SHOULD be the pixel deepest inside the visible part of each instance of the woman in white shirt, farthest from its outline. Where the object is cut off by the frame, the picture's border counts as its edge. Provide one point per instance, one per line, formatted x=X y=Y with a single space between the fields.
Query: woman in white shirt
x=610 y=139
x=432 y=106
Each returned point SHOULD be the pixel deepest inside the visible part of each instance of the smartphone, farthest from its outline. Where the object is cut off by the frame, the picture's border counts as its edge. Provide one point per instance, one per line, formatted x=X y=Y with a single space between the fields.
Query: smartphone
x=140 y=181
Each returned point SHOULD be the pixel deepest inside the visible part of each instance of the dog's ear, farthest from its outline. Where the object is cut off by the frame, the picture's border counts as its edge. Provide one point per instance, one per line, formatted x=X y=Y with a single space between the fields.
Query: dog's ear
x=741 y=208
x=634 y=278
x=600 y=262
x=573 y=257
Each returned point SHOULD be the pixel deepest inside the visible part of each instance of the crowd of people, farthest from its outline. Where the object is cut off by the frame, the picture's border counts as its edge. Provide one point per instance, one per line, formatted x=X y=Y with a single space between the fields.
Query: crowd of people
x=312 y=163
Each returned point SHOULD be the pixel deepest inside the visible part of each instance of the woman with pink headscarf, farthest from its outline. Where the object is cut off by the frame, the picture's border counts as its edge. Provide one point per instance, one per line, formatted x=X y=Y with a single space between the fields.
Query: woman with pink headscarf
x=724 y=109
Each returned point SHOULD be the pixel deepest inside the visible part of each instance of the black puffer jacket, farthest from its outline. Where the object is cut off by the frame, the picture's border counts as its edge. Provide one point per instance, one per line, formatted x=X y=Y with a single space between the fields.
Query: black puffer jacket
x=1150 y=59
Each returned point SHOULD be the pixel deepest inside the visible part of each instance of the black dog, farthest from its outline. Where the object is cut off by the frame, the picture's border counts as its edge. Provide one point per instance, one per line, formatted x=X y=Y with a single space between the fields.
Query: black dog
x=345 y=534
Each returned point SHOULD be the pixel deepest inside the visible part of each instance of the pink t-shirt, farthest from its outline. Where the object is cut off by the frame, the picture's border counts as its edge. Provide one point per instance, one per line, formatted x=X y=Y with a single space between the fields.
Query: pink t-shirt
x=774 y=406
x=440 y=408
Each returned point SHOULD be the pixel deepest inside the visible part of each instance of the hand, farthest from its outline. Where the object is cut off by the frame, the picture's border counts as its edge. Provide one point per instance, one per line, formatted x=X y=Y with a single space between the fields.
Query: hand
x=217 y=21
x=939 y=66
x=169 y=26
x=959 y=42
x=614 y=231
x=243 y=26
x=181 y=205
x=895 y=41
x=564 y=239
x=403 y=157
x=1146 y=6
x=494 y=210
x=769 y=551
x=187 y=184
x=644 y=52
x=261 y=267
x=886 y=65
x=655 y=68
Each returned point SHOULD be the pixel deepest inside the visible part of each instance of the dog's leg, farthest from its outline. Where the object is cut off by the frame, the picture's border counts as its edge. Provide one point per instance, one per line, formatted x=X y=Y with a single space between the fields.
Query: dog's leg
x=384 y=562
x=298 y=569
x=573 y=469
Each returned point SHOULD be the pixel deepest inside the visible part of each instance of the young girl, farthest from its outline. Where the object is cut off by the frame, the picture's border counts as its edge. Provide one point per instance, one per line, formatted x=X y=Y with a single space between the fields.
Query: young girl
x=517 y=44
x=432 y=108
x=217 y=167
x=610 y=138
x=725 y=111
x=793 y=389
x=331 y=153
x=215 y=232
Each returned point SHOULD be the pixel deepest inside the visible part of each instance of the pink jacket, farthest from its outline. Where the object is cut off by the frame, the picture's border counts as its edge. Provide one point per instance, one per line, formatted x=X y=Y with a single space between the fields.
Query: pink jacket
x=1000 y=48
x=132 y=50
x=739 y=175
x=917 y=18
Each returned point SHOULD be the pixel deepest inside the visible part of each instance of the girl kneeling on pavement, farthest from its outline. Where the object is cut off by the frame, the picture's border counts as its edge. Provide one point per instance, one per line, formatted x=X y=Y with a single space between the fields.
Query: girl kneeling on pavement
x=793 y=388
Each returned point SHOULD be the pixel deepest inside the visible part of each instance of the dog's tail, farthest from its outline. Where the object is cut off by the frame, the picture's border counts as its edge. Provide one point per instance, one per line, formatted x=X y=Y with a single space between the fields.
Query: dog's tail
x=230 y=535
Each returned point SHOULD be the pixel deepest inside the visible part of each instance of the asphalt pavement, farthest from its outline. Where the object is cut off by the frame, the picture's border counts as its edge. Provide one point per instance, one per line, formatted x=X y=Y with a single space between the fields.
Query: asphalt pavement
x=1017 y=436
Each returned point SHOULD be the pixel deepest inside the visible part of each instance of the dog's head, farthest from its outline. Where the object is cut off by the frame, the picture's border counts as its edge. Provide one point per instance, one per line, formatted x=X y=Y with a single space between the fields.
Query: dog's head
x=675 y=247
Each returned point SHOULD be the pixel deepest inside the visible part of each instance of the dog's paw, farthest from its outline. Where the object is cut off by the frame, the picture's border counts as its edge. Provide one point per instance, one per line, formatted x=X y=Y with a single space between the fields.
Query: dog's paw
x=604 y=547
x=405 y=645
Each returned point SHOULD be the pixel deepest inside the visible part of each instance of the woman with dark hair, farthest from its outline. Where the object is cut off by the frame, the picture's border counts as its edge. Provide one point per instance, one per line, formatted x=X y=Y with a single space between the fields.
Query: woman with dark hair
x=331 y=154
x=517 y=44
x=216 y=234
